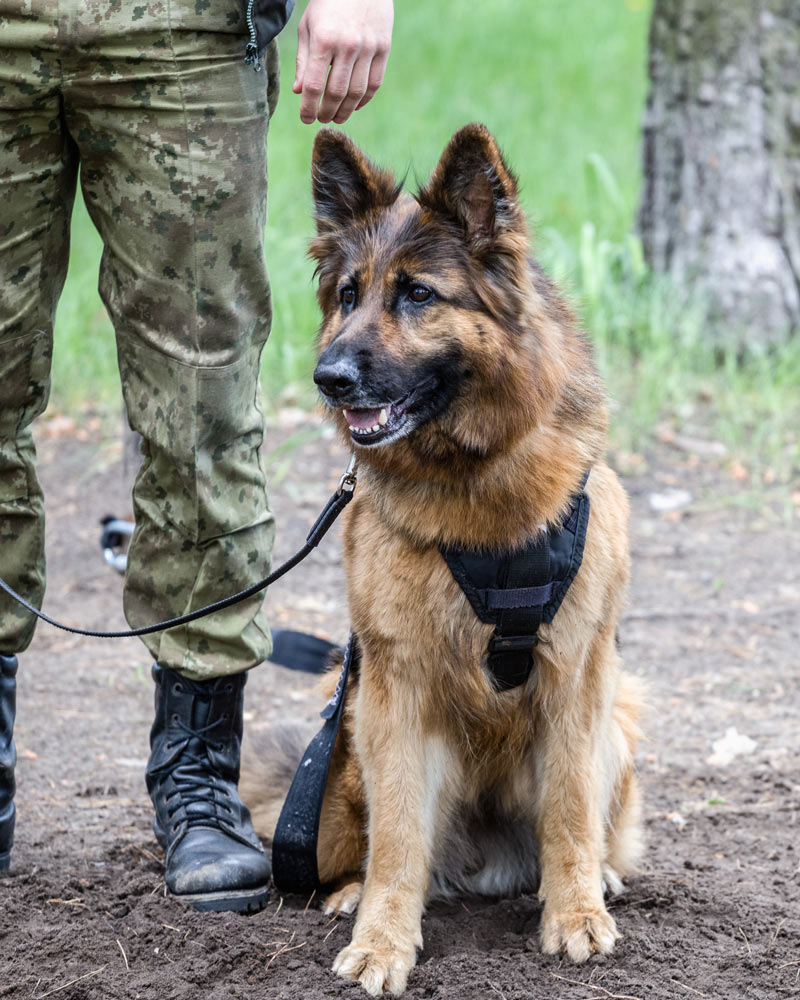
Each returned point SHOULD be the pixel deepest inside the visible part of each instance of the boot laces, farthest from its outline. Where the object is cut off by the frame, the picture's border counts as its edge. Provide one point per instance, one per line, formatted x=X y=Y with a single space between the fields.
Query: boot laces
x=197 y=781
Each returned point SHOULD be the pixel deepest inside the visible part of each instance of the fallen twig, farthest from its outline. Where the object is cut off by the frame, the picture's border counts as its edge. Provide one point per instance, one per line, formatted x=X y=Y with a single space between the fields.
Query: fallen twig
x=691 y=989
x=57 y=989
x=124 y=956
x=595 y=987
x=282 y=951
x=749 y=950
x=774 y=937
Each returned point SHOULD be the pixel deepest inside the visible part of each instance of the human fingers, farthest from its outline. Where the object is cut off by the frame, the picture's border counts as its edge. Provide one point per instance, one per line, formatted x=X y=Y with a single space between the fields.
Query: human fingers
x=314 y=80
x=302 y=56
x=338 y=86
x=376 y=74
x=359 y=80
x=343 y=47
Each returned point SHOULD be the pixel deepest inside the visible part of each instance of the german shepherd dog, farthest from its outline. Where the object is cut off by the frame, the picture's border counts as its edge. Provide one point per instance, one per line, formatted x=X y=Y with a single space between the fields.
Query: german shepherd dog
x=452 y=367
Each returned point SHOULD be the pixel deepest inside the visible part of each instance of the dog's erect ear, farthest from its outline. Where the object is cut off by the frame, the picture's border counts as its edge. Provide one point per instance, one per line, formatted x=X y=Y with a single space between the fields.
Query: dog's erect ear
x=345 y=185
x=473 y=185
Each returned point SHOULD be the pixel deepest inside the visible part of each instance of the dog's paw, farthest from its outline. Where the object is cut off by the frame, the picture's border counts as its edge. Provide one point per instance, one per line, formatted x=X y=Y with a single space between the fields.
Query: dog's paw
x=345 y=899
x=377 y=969
x=592 y=932
x=612 y=883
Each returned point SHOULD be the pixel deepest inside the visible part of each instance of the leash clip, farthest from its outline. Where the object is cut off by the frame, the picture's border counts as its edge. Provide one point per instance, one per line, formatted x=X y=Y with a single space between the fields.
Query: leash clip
x=348 y=481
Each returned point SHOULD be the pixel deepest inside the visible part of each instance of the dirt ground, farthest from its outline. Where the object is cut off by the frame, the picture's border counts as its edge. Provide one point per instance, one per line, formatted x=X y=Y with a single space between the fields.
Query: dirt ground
x=713 y=625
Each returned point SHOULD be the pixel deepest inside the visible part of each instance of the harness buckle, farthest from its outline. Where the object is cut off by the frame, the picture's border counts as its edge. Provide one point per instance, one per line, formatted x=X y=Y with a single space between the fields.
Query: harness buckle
x=512 y=643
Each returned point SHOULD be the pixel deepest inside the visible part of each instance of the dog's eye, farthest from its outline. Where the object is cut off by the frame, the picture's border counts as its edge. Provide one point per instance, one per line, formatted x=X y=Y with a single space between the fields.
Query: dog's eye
x=348 y=296
x=420 y=293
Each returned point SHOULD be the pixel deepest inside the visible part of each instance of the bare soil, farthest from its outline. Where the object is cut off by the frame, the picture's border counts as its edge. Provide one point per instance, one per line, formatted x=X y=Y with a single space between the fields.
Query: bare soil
x=713 y=625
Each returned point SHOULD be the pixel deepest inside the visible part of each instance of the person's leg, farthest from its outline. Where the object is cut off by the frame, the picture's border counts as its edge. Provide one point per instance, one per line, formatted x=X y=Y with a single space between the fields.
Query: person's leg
x=38 y=168
x=174 y=176
x=171 y=127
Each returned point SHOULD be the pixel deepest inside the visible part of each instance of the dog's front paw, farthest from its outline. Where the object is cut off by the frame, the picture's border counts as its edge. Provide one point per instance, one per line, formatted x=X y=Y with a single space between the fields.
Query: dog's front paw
x=377 y=969
x=345 y=899
x=591 y=932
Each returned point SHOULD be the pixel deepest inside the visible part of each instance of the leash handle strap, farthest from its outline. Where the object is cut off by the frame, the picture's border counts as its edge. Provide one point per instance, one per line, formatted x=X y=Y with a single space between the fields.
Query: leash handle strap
x=334 y=507
x=294 y=846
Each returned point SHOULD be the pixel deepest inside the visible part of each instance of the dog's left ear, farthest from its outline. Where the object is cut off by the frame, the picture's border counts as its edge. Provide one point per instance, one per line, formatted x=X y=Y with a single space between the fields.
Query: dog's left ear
x=473 y=185
x=345 y=184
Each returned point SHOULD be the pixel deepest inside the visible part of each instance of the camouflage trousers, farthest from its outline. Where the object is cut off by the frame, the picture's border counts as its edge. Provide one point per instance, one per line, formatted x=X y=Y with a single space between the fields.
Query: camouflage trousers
x=153 y=106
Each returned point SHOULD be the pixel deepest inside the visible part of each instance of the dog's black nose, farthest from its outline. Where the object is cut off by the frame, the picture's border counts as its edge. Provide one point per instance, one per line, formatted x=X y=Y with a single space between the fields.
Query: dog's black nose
x=337 y=377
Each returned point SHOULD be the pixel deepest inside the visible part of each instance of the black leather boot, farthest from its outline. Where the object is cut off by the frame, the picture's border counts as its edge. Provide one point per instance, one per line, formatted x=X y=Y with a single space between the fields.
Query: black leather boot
x=8 y=756
x=214 y=860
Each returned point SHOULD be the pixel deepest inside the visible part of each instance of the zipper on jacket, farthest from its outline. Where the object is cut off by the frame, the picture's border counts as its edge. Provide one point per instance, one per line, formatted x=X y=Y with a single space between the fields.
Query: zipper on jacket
x=251 y=50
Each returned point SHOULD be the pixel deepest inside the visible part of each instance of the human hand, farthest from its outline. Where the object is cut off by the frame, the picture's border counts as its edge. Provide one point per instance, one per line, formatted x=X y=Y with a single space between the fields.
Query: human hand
x=352 y=38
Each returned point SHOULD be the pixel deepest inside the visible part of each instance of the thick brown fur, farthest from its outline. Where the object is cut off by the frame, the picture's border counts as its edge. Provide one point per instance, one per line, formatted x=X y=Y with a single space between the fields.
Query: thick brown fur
x=440 y=783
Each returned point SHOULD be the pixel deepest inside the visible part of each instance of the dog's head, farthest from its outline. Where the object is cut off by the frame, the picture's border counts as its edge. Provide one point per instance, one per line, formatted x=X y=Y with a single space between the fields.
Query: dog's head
x=441 y=340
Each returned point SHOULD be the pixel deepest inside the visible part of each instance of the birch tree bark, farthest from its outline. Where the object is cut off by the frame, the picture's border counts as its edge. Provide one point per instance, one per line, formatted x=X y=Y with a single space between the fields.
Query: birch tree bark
x=720 y=208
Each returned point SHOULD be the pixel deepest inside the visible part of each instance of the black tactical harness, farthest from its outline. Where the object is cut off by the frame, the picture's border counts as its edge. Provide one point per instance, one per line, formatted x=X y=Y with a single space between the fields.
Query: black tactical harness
x=514 y=591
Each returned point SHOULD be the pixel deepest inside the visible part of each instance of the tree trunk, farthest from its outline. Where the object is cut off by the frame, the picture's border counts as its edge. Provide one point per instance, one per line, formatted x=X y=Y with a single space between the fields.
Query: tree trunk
x=720 y=209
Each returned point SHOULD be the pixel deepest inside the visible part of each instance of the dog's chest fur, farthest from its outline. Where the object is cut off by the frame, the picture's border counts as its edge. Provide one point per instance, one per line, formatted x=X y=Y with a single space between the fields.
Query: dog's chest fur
x=422 y=640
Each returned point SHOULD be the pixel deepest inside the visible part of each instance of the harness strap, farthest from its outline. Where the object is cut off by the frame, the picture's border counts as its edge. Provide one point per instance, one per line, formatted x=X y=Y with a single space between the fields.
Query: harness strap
x=519 y=597
x=294 y=846
x=511 y=662
x=518 y=590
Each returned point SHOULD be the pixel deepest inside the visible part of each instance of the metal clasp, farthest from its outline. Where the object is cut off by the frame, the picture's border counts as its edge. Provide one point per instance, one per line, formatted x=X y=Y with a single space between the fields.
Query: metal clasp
x=348 y=481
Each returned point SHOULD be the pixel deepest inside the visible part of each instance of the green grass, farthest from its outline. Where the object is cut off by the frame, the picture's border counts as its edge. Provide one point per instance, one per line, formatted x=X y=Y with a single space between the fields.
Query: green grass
x=652 y=348
x=561 y=83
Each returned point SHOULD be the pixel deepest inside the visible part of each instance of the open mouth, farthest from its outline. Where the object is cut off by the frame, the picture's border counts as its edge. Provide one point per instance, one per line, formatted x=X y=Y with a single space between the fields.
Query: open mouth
x=375 y=425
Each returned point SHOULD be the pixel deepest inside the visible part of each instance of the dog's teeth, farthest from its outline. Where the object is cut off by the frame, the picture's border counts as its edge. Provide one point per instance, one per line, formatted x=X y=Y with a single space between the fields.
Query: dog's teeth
x=344 y=412
x=376 y=427
x=383 y=418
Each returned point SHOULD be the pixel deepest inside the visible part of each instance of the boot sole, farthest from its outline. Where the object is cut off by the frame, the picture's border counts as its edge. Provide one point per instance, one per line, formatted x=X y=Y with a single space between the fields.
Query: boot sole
x=5 y=861
x=238 y=900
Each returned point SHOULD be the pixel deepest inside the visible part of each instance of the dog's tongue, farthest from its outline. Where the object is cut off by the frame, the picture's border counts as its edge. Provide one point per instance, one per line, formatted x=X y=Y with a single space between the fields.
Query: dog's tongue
x=362 y=418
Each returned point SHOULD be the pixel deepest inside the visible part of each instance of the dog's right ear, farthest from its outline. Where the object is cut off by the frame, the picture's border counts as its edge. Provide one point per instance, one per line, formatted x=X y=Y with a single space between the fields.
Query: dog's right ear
x=473 y=185
x=345 y=184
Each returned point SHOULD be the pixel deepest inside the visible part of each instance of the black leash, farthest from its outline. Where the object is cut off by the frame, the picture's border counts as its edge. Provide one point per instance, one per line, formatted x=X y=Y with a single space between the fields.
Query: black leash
x=294 y=845
x=340 y=499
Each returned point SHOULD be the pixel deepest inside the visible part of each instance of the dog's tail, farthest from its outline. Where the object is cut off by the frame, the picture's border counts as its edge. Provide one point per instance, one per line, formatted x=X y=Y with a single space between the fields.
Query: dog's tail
x=301 y=651
x=269 y=761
